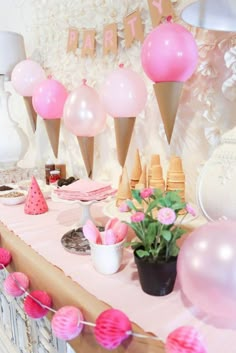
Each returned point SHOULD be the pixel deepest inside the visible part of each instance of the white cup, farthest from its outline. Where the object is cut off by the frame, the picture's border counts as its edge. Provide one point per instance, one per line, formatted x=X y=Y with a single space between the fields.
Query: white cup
x=107 y=259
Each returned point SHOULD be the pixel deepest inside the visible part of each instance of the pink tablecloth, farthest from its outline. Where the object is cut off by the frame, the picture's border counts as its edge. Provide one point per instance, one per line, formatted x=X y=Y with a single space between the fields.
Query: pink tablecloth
x=159 y=315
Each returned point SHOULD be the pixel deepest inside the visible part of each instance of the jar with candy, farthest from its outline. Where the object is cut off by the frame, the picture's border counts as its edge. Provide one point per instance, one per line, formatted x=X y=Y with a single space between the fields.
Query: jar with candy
x=54 y=176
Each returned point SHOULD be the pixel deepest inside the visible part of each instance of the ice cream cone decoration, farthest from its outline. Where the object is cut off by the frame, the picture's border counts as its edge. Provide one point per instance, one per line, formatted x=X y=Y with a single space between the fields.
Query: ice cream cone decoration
x=87 y=150
x=176 y=177
x=142 y=183
x=31 y=112
x=168 y=96
x=123 y=131
x=53 y=131
x=35 y=202
x=136 y=171
x=124 y=190
x=157 y=180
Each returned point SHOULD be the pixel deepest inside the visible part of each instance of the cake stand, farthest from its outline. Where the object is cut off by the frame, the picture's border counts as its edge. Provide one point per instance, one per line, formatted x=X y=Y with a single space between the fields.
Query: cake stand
x=74 y=240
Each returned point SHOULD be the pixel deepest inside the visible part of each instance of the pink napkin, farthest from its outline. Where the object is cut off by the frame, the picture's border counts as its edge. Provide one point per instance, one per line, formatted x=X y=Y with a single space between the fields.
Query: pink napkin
x=86 y=190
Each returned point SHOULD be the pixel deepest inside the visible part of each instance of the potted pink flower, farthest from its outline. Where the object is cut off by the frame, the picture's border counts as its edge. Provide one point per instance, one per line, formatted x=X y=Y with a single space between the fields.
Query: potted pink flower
x=156 y=220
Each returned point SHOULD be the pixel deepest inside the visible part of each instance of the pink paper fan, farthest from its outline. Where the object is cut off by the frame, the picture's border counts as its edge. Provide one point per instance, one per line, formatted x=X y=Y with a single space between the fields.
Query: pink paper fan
x=112 y=328
x=185 y=339
x=5 y=257
x=66 y=323
x=16 y=284
x=35 y=310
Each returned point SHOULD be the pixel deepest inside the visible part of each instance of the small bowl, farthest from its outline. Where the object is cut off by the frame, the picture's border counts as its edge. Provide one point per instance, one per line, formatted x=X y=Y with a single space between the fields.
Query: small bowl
x=14 y=197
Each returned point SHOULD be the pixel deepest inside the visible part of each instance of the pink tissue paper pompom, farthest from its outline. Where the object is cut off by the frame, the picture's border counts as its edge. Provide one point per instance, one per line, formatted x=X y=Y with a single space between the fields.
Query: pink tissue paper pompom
x=112 y=328
x=185 y=339
x=66 y=323
x=5 y=257
x=35 y=310
x=16 y=284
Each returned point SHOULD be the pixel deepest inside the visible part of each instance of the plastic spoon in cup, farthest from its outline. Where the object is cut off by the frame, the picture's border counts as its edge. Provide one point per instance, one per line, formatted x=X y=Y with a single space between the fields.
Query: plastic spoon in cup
x=91 y=232
x=109 y=237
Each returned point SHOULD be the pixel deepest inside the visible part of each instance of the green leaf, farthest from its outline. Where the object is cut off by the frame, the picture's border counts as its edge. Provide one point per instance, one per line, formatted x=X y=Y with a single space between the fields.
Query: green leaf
x=136 y=195
x=174 y=250
x=151 y=206
x=142 y=253
x=178 y=205
x=151 y=234
x=166 y=234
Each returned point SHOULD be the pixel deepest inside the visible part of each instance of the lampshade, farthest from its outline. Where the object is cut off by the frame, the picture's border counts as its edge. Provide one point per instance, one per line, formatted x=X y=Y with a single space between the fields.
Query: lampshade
x=12 y=50
x=218 y=15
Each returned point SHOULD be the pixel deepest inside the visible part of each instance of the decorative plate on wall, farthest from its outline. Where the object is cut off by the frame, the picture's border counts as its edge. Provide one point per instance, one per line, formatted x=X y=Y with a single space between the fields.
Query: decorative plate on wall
x=216 y=185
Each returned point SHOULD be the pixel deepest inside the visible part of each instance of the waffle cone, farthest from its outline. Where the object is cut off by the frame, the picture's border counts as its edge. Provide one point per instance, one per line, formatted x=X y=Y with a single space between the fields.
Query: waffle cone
x=31 y=112
x=143 y=177
x=53 y=131
x=86 y=145
x=168 y=95
x=123 y=130
x=124 y=191
x=155 y=159
x=137 y=167
x=156 y=173
x=175 y=165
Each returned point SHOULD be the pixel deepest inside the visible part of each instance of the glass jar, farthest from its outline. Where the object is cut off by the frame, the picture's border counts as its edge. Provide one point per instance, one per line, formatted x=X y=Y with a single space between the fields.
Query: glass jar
x=54 y=176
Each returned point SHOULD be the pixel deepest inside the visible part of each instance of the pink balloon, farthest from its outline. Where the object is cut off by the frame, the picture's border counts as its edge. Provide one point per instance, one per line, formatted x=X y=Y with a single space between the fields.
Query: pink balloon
x=25 y=77
x=206 y=268
x=169 y=53
x=49 y=98
x=124 y=93
x=84 y=114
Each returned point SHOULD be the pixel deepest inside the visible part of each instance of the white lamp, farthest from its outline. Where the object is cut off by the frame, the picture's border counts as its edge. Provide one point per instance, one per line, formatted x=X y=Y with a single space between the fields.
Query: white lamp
x=13 y=141
x=218 y=15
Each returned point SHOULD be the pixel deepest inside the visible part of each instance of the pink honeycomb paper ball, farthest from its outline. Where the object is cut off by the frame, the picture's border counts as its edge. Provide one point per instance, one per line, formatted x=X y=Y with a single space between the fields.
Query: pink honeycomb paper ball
x=185 y=339
x=112 y=328
x=16 y=284
x=5 y=257
x=66 y=323
x=35 y=310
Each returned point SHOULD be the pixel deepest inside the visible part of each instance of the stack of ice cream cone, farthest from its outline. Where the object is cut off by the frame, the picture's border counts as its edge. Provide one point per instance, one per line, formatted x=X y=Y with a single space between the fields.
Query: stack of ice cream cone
x=157 y=180
x=136 y=171
x=124 y=190
x=175 y=177
x=155 y=160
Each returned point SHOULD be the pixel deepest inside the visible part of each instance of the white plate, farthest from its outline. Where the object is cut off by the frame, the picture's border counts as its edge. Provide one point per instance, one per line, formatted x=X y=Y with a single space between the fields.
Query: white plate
x=11 y=201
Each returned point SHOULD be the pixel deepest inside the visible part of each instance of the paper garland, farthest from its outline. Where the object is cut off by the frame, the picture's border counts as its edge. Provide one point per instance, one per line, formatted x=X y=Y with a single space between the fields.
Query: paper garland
x=111 y=328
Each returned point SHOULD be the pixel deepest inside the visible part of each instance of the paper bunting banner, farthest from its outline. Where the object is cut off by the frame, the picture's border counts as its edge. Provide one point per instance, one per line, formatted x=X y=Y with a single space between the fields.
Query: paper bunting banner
x=111 y=328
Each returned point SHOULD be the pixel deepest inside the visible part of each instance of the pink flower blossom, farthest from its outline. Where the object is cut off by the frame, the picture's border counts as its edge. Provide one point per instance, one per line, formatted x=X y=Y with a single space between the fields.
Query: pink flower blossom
x=166 y=215
x=137 y=217
x=190 y=210
x=146 y=193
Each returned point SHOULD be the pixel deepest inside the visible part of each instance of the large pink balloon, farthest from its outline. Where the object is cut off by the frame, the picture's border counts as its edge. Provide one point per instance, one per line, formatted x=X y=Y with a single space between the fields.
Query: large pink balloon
x=25 y=77
x=84 y=114
x=49 y=98
x=169 y=53
x=206 y=268
x=124 y=93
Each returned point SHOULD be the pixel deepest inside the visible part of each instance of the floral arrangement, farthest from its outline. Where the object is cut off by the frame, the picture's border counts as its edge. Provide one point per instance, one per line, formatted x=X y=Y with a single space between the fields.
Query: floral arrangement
x=156 y=220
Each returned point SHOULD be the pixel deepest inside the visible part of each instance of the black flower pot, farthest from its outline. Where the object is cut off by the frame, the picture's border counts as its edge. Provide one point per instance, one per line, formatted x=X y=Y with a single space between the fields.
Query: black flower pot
x=156 y=278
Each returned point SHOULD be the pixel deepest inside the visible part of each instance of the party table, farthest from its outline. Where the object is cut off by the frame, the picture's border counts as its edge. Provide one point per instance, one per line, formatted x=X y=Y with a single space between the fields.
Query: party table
x=70 y=279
